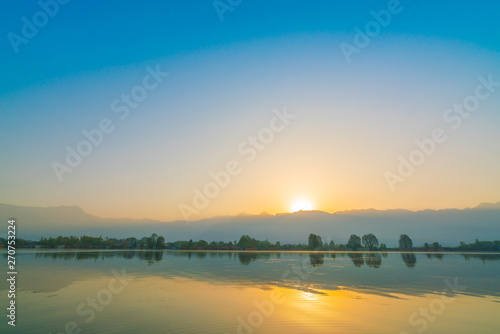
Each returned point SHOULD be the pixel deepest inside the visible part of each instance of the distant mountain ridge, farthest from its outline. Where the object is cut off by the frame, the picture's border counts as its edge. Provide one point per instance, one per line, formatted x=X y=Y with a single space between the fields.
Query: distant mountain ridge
x=448 y=226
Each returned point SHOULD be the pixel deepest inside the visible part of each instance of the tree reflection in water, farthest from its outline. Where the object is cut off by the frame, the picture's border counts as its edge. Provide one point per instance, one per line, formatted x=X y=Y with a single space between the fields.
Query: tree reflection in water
x=317 y=259
x=482 y=257
x=357 y=259
x=373 y=260
x=437 y=256
x=409 y=259
x=246 y=258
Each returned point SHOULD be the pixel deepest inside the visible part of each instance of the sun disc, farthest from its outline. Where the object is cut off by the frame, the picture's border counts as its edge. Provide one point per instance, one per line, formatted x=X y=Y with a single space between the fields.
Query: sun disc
x=301 y=205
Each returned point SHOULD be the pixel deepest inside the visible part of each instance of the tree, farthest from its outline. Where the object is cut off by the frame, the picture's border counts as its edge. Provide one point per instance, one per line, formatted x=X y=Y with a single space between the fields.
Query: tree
x=315 y=241
x=405 y=242
x=354 y=242
x=160 y=242
x=427 y=246
x=247 y=242
x=266 y=244
x=131 y=242
x=370 y=241
x=73 y=241
x=52 y=243
x=435 y=245
x=383 y=246
x=151 y=241
x=202 y=244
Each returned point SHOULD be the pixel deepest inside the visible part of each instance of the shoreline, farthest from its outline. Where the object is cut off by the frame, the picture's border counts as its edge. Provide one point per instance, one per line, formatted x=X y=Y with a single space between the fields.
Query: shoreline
x=76 y=250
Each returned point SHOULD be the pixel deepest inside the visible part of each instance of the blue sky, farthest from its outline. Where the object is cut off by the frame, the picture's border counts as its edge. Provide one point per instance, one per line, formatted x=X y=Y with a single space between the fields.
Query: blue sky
x=225 y=78
x=87 y=36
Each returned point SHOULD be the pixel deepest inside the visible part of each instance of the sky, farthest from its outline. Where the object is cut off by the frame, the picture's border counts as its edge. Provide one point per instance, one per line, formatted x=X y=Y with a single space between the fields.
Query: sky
x=198 y=109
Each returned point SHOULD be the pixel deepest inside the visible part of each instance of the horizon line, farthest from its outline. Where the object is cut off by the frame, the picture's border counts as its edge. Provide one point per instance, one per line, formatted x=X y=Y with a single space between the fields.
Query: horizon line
x=244 y=214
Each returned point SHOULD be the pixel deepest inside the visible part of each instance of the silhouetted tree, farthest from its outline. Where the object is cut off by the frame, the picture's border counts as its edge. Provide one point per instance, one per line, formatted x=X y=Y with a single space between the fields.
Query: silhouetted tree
x=315 y=241
x=160 y=242
x=435 y=245
x=131 y=242
x=354 y=242
x=481 y=246
x=202 y=244
x=370 y=241
x=405 y=242
x=151 y=241
x=247 y=242
x=264 y=245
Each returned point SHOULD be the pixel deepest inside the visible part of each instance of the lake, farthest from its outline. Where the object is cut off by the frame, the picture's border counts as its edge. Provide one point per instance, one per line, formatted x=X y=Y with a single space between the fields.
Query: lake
x=254 y=292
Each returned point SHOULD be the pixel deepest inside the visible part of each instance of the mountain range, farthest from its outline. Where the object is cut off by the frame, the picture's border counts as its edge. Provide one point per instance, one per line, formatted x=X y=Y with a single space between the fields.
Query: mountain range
x=447 y=226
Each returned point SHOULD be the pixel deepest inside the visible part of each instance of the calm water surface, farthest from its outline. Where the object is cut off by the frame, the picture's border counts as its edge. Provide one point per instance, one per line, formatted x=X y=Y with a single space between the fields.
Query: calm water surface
x=242 y=292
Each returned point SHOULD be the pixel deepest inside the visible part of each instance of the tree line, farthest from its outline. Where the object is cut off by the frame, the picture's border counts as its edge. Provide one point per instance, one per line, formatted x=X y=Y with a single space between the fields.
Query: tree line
x=153 y=242
x=314 y=242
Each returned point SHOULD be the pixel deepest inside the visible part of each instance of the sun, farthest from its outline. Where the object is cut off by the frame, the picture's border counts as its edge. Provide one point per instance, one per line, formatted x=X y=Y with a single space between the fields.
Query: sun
x=301 y=205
